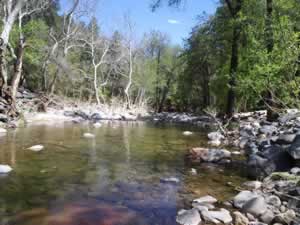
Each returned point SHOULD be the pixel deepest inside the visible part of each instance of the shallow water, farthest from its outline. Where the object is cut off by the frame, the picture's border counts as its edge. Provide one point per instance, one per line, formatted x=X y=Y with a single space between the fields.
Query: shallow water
x=114 y=179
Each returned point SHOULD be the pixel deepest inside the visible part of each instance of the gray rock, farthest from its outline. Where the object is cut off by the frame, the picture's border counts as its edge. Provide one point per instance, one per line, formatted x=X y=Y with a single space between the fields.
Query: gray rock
x=267 y=217
x=243 y=143
x=295 y=171
x=3 y=118
x=272 y=159
x=294 y=149
x=244 y=196
x=215 y=136
x=251 y=148
x=188 y=217
x=96 y=117
x=285 y=139
x=268 y=130
x=206 y=199
x=208 y=217
x=239 y=219
x=69 y=114
x=252 y=185
x=257 y=223
x=285 y=218
x=223 y=216
x=273 y=200
x=200 y=207
x=256 y=206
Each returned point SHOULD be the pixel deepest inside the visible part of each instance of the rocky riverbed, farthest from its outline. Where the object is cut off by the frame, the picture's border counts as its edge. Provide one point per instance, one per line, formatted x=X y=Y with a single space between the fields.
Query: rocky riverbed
x=272 y=155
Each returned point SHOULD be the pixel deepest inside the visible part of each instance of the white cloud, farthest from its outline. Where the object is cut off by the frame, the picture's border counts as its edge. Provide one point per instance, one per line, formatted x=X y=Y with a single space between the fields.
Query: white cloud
x=172 y=21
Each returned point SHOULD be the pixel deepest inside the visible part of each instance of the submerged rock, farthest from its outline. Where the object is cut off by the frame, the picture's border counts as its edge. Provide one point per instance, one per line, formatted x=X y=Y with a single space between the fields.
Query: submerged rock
x=5 y=169
x=209 y=155
x=187 y=133
x=36 y=148
x=89 y=135
x=188 y=217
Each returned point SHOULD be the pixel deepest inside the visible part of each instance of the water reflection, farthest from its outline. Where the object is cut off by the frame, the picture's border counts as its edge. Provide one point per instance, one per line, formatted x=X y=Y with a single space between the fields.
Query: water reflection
x=112 y=179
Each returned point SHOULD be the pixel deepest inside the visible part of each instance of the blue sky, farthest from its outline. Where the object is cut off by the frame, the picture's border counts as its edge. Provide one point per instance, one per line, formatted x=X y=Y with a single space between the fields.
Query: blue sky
x=176 y=22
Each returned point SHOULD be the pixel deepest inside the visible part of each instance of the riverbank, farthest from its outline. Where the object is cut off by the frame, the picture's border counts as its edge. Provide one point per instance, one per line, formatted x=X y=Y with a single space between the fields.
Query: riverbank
x=270 y=152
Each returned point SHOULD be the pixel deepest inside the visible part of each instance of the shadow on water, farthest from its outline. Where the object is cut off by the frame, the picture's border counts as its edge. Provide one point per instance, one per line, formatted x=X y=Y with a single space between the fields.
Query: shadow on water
x=114 y=179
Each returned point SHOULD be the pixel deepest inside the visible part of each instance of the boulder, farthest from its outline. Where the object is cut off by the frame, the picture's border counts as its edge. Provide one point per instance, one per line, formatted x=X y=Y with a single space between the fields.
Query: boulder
x=294 y=149
x=188 y=217
x=36 y=148
x=222 y=216
x=285 y=139
x=244 y=196
x=256 y=206
x=5 y=169
x=96 y=117
x=206 y=199
x=272 y=159
x=239 y=219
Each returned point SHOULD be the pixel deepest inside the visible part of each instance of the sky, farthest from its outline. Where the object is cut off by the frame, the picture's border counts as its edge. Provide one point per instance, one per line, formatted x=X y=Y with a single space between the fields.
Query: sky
x=177 y=23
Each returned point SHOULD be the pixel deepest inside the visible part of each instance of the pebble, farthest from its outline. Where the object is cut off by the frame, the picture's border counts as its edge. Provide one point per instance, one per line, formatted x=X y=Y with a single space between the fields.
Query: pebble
x=170 y=180
x=88 y=135
x=187 y=133
x=36 y=148
x=206 y=199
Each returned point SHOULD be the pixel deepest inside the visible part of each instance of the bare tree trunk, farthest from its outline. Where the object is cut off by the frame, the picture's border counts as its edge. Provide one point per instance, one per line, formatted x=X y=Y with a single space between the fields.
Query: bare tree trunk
x=8 y=21
x=96 y=86
x=18 y=71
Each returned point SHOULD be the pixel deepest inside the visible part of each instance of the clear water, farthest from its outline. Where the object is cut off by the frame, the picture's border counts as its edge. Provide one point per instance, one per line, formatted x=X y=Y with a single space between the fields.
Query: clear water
x=114 y=179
